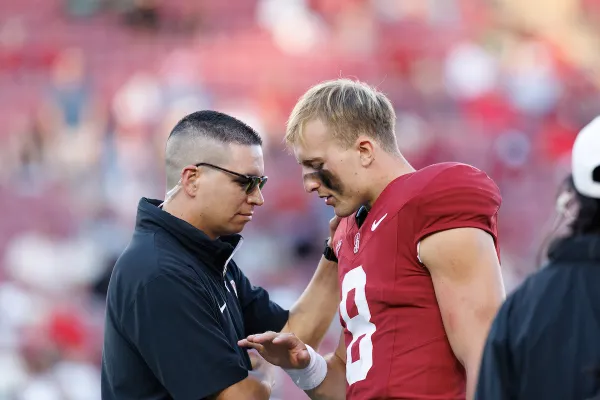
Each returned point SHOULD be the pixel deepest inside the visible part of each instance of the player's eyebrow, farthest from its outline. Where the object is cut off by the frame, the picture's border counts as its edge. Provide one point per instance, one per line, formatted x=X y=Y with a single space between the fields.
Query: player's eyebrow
x=310 y=161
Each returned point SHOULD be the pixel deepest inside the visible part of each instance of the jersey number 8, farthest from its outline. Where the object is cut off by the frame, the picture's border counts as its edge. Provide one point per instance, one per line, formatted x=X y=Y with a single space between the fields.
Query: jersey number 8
x=360 y=326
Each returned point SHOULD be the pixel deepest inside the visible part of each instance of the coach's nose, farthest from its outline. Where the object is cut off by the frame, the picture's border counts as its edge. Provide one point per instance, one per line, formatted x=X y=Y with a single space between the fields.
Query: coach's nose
x=256 y=197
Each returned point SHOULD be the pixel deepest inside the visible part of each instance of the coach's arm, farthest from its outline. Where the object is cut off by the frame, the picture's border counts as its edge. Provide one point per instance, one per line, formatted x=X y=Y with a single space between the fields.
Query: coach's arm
x=468 y=284
x=247 y=389
x=176 y=327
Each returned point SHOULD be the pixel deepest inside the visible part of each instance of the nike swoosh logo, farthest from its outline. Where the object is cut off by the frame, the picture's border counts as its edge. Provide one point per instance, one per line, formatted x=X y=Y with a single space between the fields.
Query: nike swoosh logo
x=223 y=308
x=376 y=223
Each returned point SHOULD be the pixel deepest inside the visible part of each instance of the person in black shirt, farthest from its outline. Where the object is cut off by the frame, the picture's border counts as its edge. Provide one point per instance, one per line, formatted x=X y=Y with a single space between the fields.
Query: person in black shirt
x=177 y=303
x=545 y=340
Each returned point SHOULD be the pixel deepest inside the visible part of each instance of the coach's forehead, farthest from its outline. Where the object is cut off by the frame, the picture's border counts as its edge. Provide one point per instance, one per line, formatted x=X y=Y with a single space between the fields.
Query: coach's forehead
x=247 y=160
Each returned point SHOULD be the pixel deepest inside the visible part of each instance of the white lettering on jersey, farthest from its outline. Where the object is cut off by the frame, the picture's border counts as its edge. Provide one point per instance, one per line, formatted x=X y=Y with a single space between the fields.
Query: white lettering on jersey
x=360 y=326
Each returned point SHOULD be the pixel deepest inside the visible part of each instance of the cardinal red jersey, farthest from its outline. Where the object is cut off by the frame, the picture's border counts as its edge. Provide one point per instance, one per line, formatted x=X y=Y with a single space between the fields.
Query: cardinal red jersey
x=396 y=343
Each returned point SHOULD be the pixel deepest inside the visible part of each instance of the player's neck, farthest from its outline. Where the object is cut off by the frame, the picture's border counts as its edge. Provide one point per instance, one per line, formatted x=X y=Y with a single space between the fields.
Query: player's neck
x=390 y=168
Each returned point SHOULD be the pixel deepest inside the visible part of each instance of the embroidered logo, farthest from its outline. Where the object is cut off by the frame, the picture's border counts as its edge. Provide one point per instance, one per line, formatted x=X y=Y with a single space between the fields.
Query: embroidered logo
x=338 y=246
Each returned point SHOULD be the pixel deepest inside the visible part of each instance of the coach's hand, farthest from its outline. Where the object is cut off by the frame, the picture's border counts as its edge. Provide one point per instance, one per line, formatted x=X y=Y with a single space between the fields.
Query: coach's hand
x=282 y=349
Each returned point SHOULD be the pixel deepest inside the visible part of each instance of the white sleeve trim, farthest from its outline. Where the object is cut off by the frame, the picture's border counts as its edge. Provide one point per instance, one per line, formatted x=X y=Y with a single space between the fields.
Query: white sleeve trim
x=418 y=254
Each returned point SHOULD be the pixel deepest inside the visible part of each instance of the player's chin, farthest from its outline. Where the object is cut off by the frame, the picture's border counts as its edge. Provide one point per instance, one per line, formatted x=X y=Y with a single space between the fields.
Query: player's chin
x=342 y=210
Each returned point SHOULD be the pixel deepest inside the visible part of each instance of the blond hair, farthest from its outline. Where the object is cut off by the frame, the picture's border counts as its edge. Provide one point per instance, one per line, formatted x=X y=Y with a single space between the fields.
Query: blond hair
x=348 y=108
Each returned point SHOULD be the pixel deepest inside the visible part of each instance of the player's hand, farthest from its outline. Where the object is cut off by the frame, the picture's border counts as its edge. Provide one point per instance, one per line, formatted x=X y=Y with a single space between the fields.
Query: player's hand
x=333 y=224
x=282 y=349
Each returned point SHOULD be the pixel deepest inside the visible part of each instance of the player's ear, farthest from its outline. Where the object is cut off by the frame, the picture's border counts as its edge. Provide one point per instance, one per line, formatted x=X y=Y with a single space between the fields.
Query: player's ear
x=365 y=147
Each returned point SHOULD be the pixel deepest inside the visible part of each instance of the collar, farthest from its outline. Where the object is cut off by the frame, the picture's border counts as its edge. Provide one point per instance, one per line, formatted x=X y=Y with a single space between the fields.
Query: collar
x=363 y=211
x=583 y=248
x=214 y=253
x=361 y=215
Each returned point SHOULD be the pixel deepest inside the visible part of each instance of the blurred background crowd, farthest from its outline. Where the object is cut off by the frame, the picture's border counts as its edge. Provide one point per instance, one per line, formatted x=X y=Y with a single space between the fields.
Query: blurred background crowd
x=89 y=90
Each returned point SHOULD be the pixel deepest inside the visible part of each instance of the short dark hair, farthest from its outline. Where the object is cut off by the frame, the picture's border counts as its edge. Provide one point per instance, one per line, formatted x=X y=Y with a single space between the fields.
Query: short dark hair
x=190 y=140
x=217 y=126
x=587 y=220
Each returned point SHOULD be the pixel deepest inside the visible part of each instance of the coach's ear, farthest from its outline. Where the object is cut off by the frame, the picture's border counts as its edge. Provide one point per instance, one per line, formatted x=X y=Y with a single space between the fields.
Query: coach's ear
x=189 y=178
x=365 y=147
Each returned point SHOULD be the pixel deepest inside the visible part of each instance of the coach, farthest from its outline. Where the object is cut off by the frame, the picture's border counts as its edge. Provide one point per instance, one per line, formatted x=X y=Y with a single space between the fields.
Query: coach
x=177 y=303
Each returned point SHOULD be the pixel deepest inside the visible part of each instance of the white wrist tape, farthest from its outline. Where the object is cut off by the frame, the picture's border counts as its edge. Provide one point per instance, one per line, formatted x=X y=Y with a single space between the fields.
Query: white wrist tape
x=311 y=376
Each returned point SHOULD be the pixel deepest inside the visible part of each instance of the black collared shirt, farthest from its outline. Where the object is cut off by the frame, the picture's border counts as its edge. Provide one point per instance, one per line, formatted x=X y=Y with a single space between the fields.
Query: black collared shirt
x=176 y=306
x=545 y=341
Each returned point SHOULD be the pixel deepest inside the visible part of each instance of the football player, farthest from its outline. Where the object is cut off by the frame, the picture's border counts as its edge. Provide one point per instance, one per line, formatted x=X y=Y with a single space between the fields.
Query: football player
x=419 y=268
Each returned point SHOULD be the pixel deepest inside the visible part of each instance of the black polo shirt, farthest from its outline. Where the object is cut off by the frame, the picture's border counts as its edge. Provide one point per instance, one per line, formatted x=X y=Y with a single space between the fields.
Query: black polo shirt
x=545 y=341
x=176 y=306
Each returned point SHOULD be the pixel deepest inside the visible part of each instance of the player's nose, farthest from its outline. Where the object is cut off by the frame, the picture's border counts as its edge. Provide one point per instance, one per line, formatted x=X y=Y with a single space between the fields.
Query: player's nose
x=310 y=184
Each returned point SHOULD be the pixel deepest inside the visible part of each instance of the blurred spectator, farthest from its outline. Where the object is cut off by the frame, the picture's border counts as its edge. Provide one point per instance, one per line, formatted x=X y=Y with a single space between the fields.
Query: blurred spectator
x=69 y=89
x=530 y=77
x=143 y=14
x=295 y=27
x=471 y=71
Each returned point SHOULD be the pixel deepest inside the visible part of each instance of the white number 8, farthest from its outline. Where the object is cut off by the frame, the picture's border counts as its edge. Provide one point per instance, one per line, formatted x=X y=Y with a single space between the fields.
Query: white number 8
x=359 y=325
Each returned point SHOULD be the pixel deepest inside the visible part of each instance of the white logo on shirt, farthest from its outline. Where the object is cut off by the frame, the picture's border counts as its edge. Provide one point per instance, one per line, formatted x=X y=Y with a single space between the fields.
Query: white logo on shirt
x=376 y=223
x=337 y=247
x=223 y=307
x=356 y=242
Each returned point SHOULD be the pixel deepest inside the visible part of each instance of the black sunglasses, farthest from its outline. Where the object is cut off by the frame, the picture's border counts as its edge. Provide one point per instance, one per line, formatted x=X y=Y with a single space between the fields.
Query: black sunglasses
x=248 y=182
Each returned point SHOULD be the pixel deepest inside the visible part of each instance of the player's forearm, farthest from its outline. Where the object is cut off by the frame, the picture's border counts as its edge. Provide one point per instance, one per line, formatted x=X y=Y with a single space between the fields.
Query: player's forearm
x=468 y=348
x=472 y=364
x=472 y=375
x=334 y=385
x=312 y=314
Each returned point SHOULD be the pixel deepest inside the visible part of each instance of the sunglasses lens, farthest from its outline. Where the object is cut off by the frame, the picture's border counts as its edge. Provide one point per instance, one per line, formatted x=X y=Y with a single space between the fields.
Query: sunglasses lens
x=254 y=182
x=251 y=186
